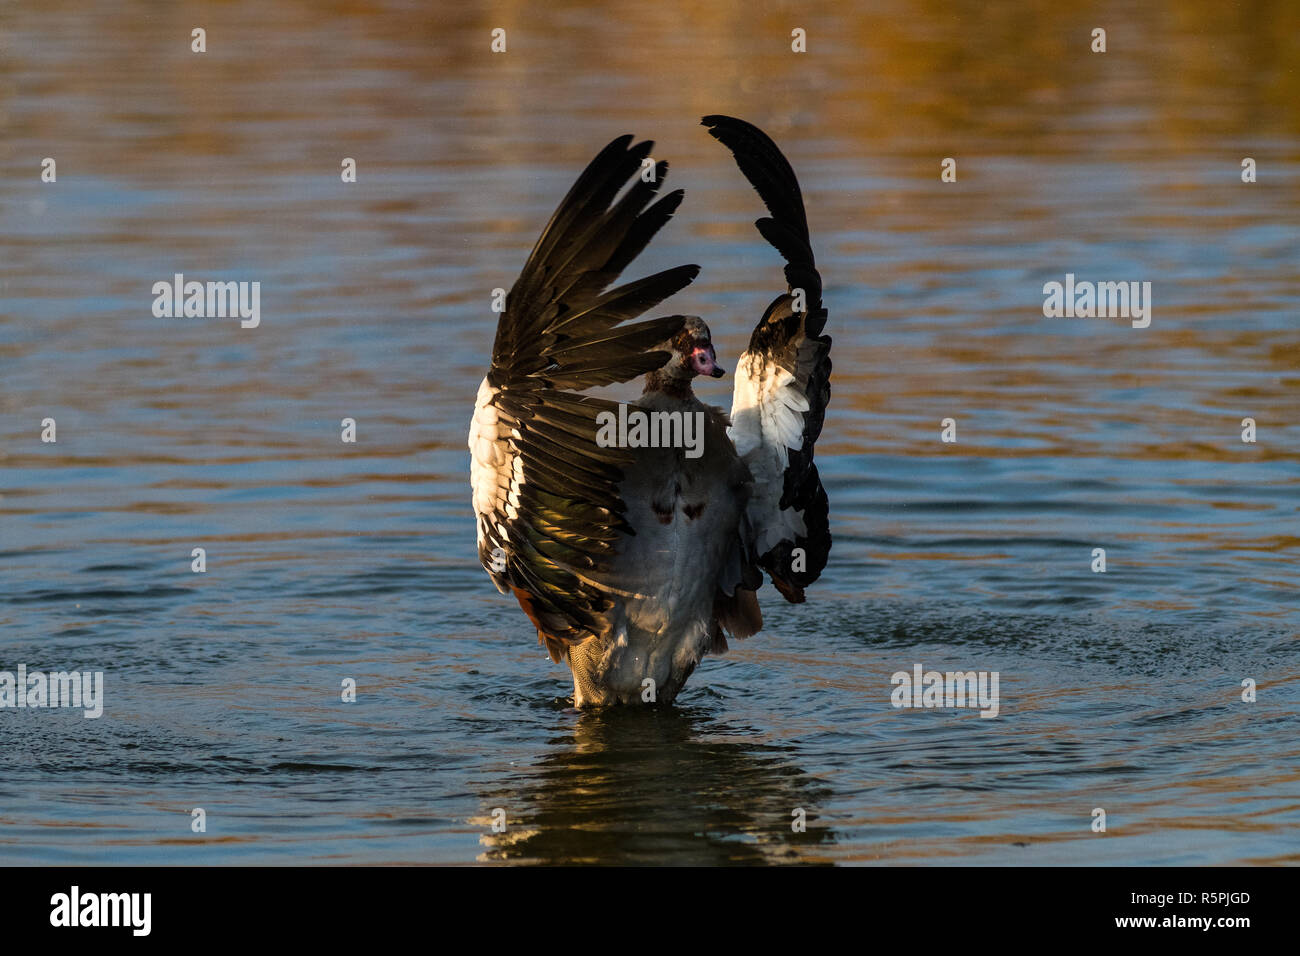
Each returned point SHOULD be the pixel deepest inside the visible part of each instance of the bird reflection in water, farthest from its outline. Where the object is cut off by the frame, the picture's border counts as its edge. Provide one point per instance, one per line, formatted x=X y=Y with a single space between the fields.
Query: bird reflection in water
x=663 y=786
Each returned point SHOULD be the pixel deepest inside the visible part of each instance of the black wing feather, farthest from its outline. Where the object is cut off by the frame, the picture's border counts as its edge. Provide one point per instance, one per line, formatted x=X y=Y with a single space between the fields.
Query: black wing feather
x=787 y=339
x=555 y=510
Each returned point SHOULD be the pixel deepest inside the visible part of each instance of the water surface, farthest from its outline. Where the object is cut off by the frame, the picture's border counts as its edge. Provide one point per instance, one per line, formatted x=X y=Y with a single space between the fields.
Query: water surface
x=328 y=561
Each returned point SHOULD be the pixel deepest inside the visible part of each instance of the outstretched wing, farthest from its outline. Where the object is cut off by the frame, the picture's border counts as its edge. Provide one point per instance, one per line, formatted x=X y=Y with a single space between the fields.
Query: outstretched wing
x=783 y=379
x=545 y=493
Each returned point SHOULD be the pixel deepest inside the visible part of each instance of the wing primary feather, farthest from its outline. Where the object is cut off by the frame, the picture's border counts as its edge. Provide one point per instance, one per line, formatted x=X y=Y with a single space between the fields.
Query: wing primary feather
x=544 y=491
x=783 y=379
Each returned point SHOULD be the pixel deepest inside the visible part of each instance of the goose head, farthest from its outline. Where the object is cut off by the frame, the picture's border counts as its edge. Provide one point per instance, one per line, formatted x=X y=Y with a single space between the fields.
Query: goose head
x=692 y=354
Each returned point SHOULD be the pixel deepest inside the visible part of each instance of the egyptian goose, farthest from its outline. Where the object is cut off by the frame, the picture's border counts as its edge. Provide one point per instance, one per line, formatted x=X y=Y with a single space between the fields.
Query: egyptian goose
x=633 y=556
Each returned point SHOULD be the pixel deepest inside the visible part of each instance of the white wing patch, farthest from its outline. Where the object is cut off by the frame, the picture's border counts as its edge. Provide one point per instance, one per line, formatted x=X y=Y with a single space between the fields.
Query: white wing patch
x=766 y=420
x=495 y=474
x=767 y=408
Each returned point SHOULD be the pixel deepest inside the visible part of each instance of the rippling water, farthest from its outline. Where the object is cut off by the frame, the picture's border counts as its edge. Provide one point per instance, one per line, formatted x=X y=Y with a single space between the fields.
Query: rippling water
x=329 y=561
